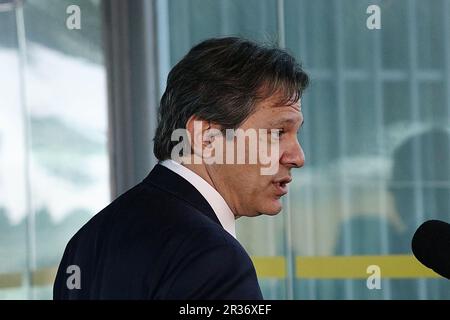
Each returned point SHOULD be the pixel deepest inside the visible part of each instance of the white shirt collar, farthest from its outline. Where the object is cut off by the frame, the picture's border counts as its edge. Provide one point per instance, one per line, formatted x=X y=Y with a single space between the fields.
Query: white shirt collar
x=215 y=200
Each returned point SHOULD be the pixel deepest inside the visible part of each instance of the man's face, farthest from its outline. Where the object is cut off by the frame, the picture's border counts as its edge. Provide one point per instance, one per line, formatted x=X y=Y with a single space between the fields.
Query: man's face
x=246 y=190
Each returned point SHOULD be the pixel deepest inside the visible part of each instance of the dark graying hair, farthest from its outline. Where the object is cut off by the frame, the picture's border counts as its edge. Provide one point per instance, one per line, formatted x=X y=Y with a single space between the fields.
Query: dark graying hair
x=220 y=80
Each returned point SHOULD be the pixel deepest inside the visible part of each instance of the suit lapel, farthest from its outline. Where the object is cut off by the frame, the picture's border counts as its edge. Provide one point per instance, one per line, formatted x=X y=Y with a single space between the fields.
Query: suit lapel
x=171 y=182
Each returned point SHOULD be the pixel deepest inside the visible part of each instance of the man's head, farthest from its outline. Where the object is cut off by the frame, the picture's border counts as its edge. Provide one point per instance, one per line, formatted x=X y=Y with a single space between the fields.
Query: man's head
x=231 y=83
x=421 y=170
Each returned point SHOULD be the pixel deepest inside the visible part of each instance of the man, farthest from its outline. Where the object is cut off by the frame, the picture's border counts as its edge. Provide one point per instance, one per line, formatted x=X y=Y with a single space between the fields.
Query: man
x=419 y=187
x=173 y=235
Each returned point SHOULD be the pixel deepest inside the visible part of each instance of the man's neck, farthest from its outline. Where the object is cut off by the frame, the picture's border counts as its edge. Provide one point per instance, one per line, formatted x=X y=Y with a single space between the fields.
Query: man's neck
x=200 y=169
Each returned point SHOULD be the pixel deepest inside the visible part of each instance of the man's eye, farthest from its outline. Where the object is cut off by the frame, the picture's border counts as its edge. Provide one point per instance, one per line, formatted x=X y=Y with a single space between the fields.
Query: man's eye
x=277 y=133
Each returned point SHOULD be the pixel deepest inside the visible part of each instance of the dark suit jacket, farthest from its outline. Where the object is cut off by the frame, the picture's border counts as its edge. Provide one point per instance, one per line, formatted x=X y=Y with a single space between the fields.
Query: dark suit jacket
x=159 y=240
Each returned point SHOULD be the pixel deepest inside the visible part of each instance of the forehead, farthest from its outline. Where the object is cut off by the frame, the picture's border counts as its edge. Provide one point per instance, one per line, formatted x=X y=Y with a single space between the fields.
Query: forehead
x=274 y=109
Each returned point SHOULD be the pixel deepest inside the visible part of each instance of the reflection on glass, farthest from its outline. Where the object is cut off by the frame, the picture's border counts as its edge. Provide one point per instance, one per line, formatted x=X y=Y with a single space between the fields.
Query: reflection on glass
x=66 y=101
x=371 y=91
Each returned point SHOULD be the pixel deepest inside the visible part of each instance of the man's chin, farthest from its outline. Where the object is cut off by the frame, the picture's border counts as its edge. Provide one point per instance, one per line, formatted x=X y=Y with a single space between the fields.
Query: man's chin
x=268 y=208
x=273 y=208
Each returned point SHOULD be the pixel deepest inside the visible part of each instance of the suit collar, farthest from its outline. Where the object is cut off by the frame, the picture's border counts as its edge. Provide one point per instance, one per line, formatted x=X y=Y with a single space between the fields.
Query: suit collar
x=171 y=182
x=214 y=198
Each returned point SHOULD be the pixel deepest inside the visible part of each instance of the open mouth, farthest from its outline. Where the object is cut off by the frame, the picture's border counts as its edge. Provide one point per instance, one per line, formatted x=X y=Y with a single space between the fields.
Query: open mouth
x=281 y=188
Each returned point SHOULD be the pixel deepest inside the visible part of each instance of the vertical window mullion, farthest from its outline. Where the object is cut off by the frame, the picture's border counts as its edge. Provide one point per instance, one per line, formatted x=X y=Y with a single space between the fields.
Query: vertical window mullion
x=379 y=112
x=342 y=121
x=308 y=205
x=415 y=115
x=446 y=35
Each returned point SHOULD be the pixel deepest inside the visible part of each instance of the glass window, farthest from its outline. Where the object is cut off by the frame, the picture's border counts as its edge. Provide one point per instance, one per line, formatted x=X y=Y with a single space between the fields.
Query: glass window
x=54 y=170
x=376 y=138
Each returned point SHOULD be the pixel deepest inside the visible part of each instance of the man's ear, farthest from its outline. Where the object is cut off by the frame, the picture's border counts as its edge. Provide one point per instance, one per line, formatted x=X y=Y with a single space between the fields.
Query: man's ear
x=196 y=129
x=201 y=134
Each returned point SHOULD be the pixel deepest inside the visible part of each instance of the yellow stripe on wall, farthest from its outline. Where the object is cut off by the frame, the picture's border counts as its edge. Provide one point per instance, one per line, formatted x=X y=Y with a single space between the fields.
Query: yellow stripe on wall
x=11 y=280
x=344 y=267
x=270 y=267
x=355 y=267
x=44 y=276
x=330 y=267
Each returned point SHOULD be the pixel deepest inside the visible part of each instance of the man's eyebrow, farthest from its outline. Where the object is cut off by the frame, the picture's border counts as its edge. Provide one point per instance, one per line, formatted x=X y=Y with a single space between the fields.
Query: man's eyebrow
x=282 y=121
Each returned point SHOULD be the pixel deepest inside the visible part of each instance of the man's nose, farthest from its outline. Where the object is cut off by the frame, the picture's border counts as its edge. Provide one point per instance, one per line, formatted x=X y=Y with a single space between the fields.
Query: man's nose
x=293 y=157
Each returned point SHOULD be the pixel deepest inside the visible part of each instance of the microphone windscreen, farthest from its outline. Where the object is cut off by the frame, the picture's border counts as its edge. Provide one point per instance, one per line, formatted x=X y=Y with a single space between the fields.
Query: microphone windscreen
x=431 y=246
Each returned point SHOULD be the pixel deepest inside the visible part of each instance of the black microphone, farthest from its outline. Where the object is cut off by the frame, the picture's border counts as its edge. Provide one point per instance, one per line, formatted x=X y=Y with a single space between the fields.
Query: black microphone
x=431 y=246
